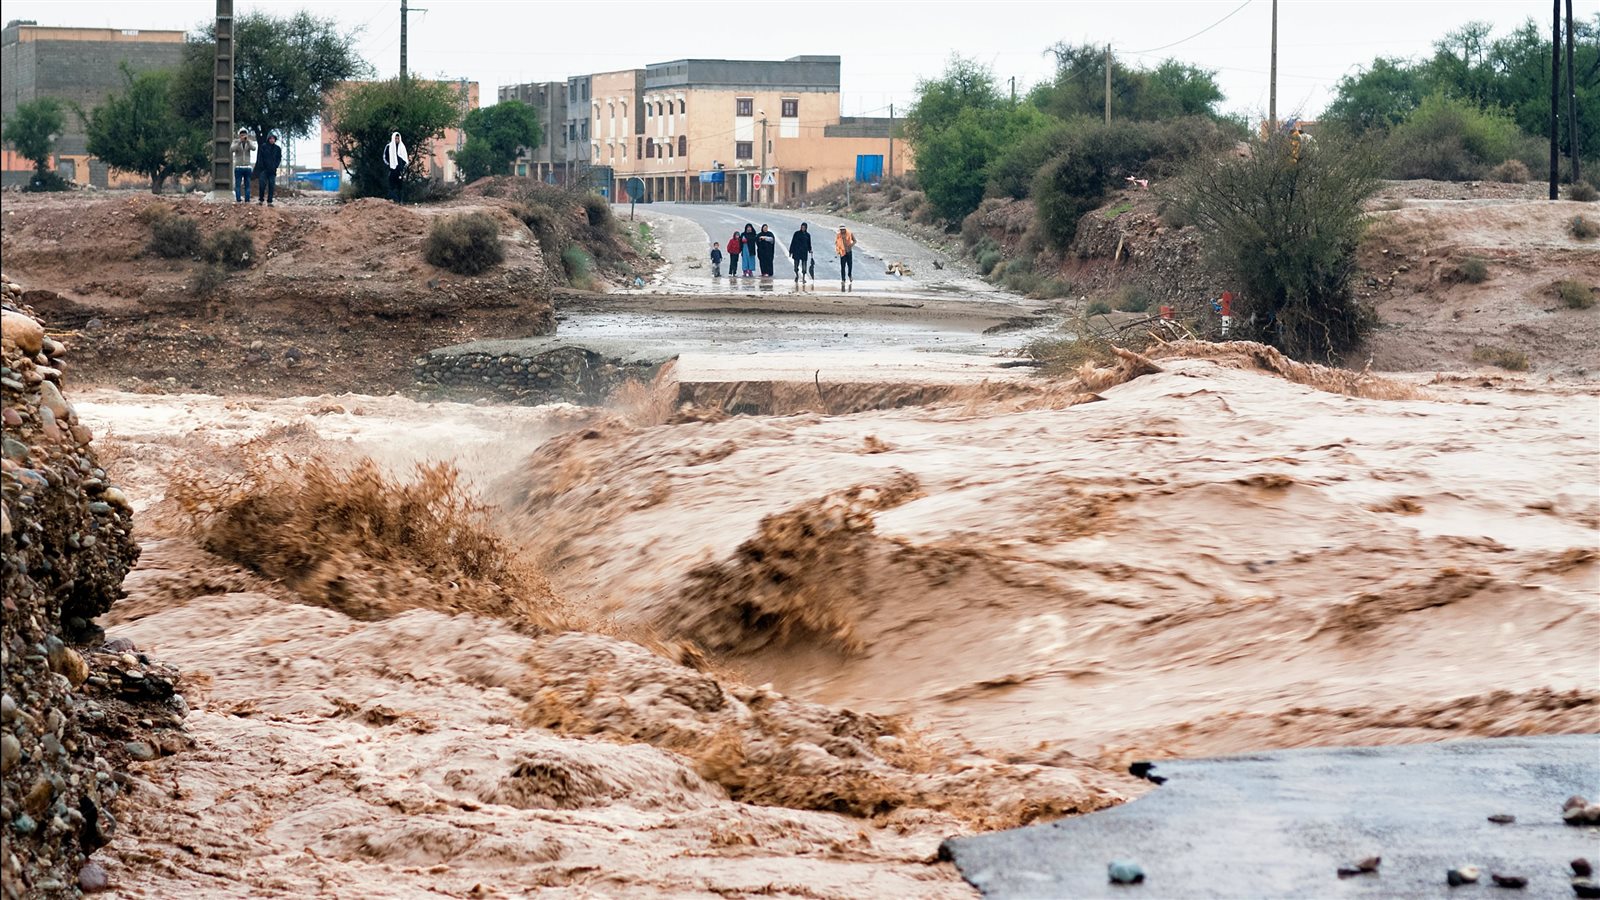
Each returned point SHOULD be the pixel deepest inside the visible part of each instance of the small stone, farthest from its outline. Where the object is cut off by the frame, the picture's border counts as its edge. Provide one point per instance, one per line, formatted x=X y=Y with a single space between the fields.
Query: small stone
x=1581 y=867
x=1125 y=871
x=10 y=752
x=67 y=661
x=1514 y=882
x=1574 y=801
x=1502 y=819
x=1586 y=887
x=92 y=878
x=117 y=497
x=10 y=417
x=24 y=824
x=1461 y=875
x=27 y=333
x=14 y=450
x=140 y=750
x=39 y=797
x=50 y=398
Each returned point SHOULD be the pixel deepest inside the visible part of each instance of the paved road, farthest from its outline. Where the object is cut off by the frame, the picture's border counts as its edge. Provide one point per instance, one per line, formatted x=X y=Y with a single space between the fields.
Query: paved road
x=688 y=241
x=1280 y=824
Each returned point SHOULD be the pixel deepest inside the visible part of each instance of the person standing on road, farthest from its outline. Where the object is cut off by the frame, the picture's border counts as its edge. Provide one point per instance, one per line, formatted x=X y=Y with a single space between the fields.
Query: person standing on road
x=716 y=260
x=267 y=161
x=242 y=148
x=735 y=248
x=747 y=257
x=800 y=252
x=844 y=243
x=766 y=249
x=394 y=163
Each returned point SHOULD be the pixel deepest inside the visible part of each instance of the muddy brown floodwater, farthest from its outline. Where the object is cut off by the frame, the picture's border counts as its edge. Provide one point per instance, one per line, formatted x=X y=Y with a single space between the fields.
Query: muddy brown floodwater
x=1206 y=558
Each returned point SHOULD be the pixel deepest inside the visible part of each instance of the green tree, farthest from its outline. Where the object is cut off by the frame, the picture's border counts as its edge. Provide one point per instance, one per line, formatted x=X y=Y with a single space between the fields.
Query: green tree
x=1283 y=229
x=495 y=135
x=1380 y=96
x=1079 y=87
x=364 y=115
x=140 y=130
x=32 y=131
x=965 y=84
x=283 y=68
x=953 y=162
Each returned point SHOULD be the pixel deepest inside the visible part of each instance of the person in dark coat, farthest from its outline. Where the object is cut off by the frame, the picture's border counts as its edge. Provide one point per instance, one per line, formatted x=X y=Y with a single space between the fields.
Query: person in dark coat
x=800 y=252
x=747 y=241
x=766 y=248
x=735 y=248
x=716 y=260
x=267 y=160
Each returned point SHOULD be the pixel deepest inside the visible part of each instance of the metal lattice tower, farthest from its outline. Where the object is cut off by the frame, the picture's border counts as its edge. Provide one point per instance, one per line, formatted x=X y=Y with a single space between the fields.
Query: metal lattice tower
x=222 y=102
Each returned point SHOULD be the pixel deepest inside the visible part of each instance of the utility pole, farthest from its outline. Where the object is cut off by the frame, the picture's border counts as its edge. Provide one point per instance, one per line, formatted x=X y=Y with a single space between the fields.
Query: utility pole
x=402 y=40
x=1572 y=104
x=761 y=199
x=1108 y=84
x=1555 y=98
x=1013 y=90
x=222 y=104
x=1272 y=91
x=891 y=137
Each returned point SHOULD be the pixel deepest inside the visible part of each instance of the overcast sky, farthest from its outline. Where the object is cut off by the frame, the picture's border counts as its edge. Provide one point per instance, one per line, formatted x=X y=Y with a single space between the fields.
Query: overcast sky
x=886 y=45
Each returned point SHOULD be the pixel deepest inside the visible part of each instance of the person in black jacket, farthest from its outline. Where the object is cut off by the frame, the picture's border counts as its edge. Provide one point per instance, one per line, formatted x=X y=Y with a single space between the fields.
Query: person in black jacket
x=267 y=160
x=766 y=247
x=800 y=252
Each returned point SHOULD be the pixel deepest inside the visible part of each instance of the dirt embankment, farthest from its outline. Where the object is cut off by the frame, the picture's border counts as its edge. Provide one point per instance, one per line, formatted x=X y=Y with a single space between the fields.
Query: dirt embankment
x=339 y=294
x=75 y=708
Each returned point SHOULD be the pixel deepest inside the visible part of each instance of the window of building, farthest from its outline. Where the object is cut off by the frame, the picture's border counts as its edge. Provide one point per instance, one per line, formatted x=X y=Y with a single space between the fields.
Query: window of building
x=683 y=145
x=649 y=110
x=583 y=129
x=744 y=106
x=327 y=149
x=791 y=109
x=744 y=150
x=681 y=105
x=586 y=90
x=650 y=149
x=640 y=151
x=572 y=131
x=522 y=170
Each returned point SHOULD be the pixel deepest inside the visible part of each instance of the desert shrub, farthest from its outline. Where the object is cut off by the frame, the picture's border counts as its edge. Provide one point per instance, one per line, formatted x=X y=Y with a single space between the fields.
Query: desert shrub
x=1285 y=232
x=1512 y=171
x=988 y=259
x=207 y=280
x=597 y=210
x=1011 y=174
x=893 y=193
x=174 y=237
x=464 y=244
x=1097 y=308
x=1583 y=228
x=231 y=248
x=971 y=231
x=1055 y=289
x=579 y=266
x=1133 y=298
x=923 y=215
x=1583 y=192
x=1473 y=270
x=1097 y=157
x=1025 y=283
x=1451 y=140
x=1175 y=215
x=1575 y=294
x=1505 y=358
x=543 y=221
x=46 y=181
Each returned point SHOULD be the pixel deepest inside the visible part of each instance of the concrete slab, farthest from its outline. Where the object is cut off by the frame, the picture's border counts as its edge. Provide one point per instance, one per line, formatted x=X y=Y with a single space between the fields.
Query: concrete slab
x=1279 y=824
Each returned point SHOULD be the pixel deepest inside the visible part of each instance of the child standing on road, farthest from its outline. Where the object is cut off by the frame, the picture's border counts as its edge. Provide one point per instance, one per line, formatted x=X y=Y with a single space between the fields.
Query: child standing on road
x=716 y=261
x=735 y=246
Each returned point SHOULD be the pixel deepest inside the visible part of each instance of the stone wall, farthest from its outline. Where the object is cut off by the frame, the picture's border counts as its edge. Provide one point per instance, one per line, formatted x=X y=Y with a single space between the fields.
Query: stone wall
x=565 y=374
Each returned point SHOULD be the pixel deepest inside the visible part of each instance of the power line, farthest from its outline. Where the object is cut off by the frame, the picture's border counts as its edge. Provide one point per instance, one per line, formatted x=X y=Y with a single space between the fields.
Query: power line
x=1200 y=32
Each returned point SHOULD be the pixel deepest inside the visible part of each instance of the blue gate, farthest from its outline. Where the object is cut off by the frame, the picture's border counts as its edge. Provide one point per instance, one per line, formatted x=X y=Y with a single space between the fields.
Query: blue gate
x=869 y=167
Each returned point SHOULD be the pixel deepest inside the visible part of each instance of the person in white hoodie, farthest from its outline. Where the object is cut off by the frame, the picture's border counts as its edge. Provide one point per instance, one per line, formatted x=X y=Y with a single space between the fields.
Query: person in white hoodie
x=394 y=162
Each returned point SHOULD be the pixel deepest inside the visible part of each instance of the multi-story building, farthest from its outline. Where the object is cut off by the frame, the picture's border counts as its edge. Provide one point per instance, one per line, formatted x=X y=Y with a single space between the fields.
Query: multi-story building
x=578 y=121
x=548 y=161
x=737 y=130
x=439 y=163
x=79 y=66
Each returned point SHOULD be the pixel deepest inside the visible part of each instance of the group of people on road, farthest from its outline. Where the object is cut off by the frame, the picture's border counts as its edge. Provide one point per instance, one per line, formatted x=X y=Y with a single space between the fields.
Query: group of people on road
x=750 y=251
x=258 y=162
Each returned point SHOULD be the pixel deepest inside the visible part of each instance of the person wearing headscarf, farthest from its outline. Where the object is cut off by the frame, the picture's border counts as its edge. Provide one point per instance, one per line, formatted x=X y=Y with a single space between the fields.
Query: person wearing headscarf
x=748 y=241
x=800 y=252
x=735 y=249
x=394 y=163
x=766 y=248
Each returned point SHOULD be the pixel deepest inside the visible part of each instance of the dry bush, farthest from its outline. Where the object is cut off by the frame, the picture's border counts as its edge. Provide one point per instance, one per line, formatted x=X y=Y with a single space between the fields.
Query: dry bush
x=1504 y=357
x=357 y=540
x=1473 y=270
x=207 y=280
x=1133 y=298
x=1574 y=294
x=1583 y=192
x=1583 y=228
x=1512 y=171
x=232 y=248
x=174 y=237
x=464 y=244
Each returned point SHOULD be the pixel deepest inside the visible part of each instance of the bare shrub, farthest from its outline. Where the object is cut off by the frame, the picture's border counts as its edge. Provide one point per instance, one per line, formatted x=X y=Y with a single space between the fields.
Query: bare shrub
x=231 y=248
x=464 y=244
x=1512 y=171
x=1583 y=228
x=1575 y=294
x=1473 y=270
x=207 y=281
x=1133 y=298
x=1505 y=358
x=174 y=237
x=1583 y=192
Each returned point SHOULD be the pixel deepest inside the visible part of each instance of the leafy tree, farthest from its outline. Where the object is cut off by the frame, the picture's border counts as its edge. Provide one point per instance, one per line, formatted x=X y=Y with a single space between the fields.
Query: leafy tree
x=953 y=162
x=140 y=130
x=33 y=130
x=1079 y=87
x=283 y=68
x=495 y=134
x=364 y=115
x=1378 y=97
x=964 y=85
x=1283 y=228
x=1452 y=140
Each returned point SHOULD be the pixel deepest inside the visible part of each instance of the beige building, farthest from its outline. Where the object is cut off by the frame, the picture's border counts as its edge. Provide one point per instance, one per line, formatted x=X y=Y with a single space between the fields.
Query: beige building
x=703 y=130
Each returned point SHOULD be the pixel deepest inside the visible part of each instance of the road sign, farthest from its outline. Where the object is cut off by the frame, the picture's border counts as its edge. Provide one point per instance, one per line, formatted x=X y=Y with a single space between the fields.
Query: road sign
x=635 y=189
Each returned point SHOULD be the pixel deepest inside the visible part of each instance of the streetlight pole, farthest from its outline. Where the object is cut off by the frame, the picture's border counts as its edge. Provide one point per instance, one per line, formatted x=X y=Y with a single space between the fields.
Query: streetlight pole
x=1272 y=92
x=762 y=199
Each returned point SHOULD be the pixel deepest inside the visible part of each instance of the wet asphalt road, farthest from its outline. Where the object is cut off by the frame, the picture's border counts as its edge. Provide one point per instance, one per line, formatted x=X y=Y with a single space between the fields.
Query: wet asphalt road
x=720 y=222
x=1279 y=824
